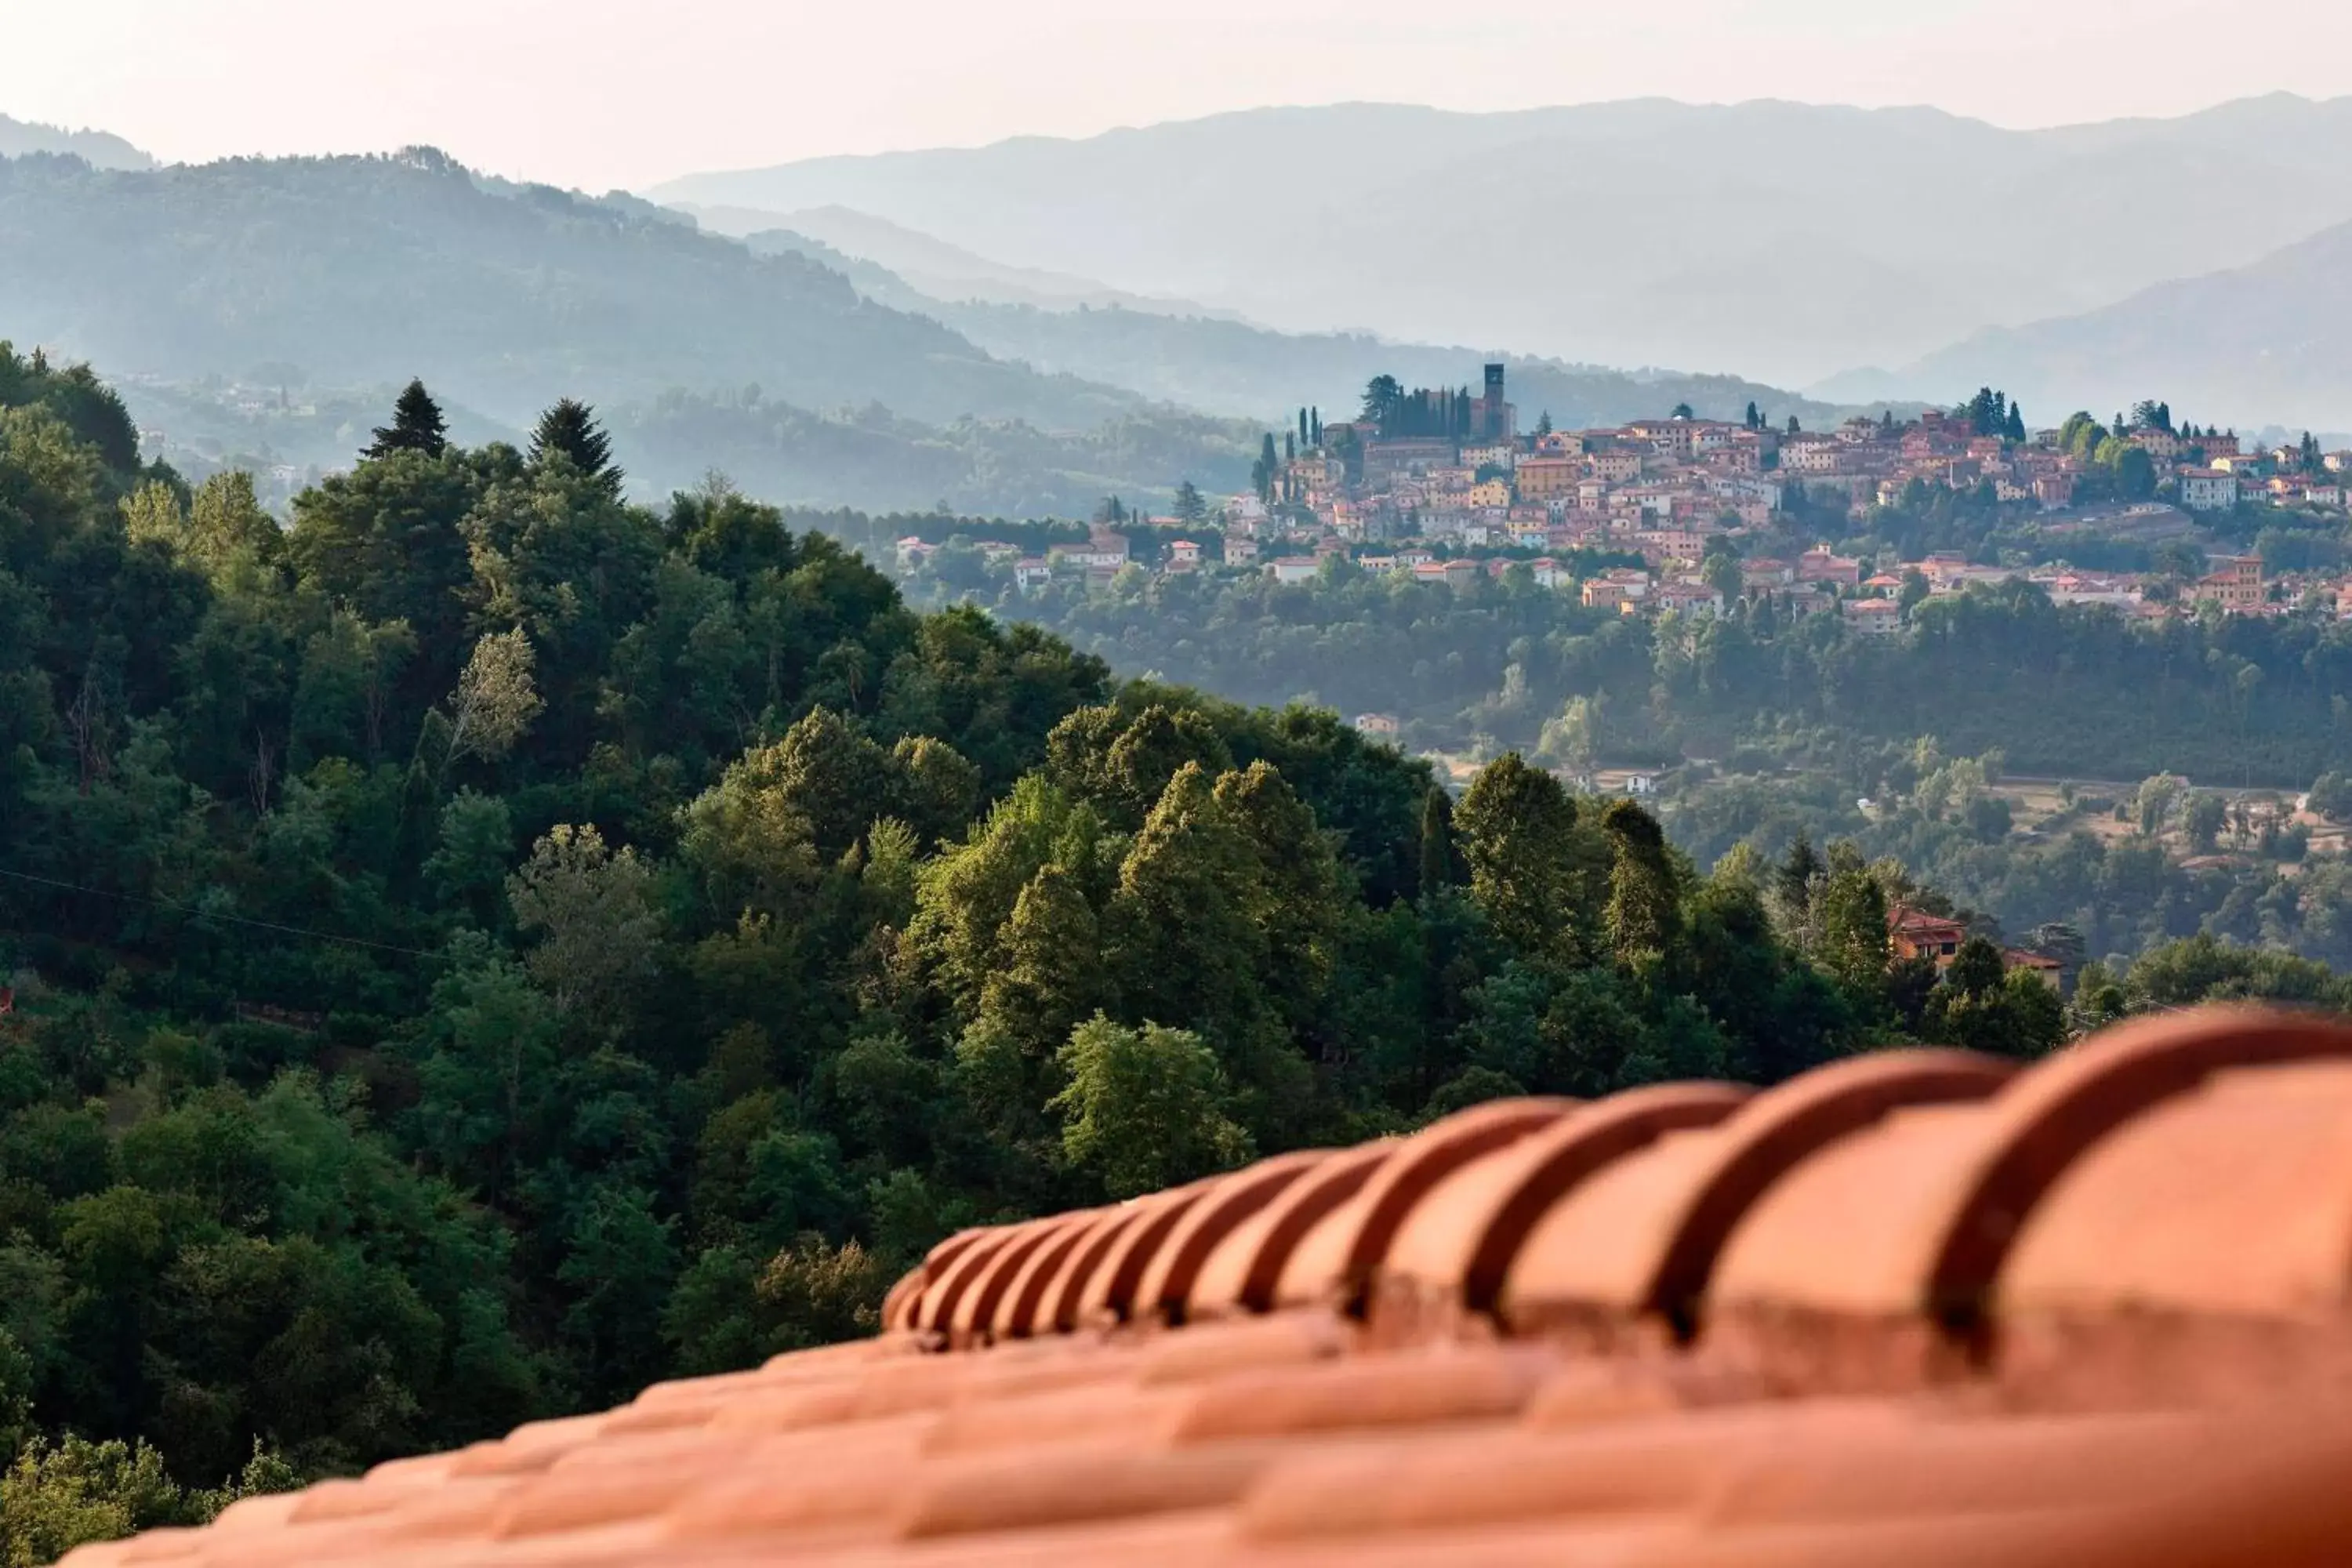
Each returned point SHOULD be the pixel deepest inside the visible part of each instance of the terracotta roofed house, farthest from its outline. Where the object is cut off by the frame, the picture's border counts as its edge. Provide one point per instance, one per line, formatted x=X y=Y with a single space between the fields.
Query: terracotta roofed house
x=1916 y=933
x=1918 y=1308
x=1874 y=617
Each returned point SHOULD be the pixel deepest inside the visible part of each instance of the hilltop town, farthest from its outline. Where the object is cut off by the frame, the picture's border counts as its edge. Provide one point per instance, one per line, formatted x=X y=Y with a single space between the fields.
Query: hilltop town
x=1686 y=514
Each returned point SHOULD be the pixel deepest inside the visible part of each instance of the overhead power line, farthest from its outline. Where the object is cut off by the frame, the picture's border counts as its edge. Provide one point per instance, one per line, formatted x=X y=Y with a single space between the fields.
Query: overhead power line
x=360 y=942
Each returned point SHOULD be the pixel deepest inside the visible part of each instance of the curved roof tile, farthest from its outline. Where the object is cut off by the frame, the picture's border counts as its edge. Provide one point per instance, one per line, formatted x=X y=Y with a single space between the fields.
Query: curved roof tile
x=974 y=1314
x=1915 y=1216
x=1108 y=1293
x=1167 y=1284
x=1244 y=1269
x=1022 y=1301
x=1454 y=1248
x=1336 y=1258
x=2236 y=1199
x=1642 y=1237
x=1056 y=1308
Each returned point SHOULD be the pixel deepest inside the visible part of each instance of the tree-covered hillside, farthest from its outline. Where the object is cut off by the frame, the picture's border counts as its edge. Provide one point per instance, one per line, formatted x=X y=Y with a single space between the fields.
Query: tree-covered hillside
x=871 y=456
x=19 y=138
x=366 y=270
x=2079 y=691
x=253 y=300
x=483 y=946
x=1799 y=719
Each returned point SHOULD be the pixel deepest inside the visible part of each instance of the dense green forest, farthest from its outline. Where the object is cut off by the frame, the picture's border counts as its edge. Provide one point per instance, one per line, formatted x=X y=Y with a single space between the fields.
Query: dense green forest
x=2077 y=690
x=2126 y=868
x=1799 y=719
x=482 y=946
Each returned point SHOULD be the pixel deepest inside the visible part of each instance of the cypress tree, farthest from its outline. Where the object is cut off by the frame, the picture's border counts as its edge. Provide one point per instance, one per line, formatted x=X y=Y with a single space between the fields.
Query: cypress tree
x=1644 y=910
x=1441 y=867
x=416 y=426
x=570 y=428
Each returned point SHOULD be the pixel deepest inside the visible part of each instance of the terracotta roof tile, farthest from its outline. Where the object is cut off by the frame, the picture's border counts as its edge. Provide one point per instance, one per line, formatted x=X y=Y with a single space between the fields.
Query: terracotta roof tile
x=2235 y=1199
x=1107 y=1294
x=1335 y=1259
x=1911 y=1220
x=1642 y=1236
x=1243 y=1270
x=973 y=1314
x=1454 y=1249
x=1907 y=1309
x=1166 y=1288
x=1022 y=1300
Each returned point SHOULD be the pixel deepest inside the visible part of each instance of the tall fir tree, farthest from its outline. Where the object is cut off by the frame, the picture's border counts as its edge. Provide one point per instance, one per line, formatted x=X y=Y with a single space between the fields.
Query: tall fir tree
x=571 y=429
x=416 y=426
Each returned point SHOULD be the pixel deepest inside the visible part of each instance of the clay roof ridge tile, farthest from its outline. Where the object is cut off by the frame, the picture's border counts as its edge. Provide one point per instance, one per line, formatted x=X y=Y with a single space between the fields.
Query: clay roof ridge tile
x=1913 y=1218
x=1167 y=1283
x=1336 y=1260
x=1243 y=1271
x=1458 y=1243
x=1643 y=1236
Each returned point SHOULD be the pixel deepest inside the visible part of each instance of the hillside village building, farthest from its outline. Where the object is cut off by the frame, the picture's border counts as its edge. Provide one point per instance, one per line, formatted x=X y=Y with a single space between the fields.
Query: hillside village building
x=1441 y=487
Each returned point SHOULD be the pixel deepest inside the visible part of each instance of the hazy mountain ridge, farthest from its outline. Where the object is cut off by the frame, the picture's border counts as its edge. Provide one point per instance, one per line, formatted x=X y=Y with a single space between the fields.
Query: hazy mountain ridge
x=360 y=270
x=99 y=149
x=940 y=271
x=1217 y=364
x=1208 y=364
x=2268 y=341
x=1790 y=240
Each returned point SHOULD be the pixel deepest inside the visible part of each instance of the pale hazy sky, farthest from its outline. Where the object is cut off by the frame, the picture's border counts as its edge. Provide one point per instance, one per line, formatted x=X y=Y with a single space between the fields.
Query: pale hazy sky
x=628 y=92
